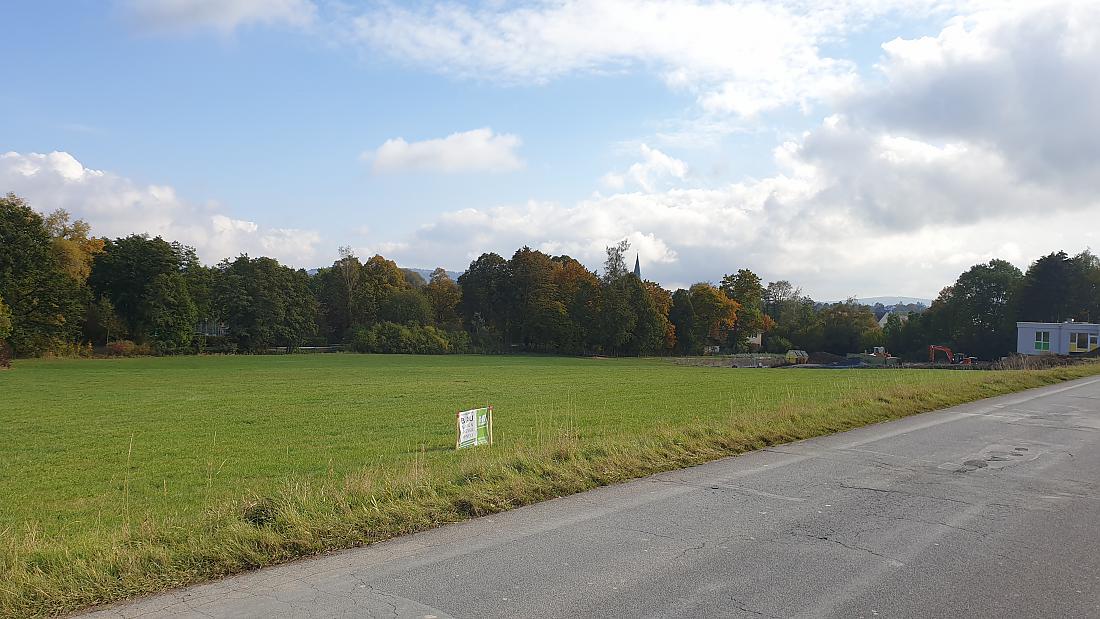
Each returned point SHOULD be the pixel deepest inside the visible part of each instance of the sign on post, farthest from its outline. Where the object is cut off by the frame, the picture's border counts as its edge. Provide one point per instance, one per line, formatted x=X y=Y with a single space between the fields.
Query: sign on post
x=475 y=427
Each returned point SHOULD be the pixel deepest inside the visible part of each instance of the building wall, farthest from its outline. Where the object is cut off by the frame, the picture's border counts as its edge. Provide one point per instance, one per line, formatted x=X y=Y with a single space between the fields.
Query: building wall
x=1059 y=341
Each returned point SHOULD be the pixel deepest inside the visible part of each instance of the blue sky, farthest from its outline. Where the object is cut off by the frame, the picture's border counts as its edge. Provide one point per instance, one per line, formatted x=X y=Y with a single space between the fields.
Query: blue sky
x=713 y=135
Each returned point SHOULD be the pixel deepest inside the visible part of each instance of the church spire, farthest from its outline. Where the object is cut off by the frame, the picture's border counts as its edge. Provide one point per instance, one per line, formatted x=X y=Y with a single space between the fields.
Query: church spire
x=637 y=267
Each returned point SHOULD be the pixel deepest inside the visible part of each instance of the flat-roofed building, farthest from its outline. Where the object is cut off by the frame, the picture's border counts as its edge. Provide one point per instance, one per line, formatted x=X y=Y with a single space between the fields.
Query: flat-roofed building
x=1057 y=338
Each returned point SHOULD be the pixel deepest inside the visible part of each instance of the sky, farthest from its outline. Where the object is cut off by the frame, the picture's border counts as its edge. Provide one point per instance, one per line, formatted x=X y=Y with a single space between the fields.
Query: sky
x=853 y=147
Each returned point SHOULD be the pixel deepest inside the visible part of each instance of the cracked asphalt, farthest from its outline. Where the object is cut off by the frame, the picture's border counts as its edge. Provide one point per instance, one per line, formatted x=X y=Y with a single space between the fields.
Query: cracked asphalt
x=990 y=508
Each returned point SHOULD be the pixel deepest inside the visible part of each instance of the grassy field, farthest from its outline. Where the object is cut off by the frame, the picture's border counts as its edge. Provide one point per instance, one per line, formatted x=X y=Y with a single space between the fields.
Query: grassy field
x=119 y=477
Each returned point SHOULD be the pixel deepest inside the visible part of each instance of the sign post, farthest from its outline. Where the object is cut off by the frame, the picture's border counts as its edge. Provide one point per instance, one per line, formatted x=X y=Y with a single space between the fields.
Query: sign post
x=475 y=427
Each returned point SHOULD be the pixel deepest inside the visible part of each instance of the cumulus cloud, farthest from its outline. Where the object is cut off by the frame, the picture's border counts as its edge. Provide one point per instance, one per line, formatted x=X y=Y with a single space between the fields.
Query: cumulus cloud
x=741 y=57
x=220 y=15
x=479 y=150
x=1018 y=80
x=117 y=206
x=979 y=142
x=655 y=167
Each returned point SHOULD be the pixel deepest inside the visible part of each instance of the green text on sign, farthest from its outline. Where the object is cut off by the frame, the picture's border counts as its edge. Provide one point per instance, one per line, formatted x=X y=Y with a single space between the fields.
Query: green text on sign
x=475 y=427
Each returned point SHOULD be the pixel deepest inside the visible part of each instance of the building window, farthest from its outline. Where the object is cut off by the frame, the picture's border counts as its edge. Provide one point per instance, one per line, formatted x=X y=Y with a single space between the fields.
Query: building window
x=1082 y=342
x=1042 y=340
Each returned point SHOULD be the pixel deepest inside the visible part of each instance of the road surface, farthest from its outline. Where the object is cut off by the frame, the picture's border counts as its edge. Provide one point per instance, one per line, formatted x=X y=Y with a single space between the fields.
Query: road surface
x=986 y=509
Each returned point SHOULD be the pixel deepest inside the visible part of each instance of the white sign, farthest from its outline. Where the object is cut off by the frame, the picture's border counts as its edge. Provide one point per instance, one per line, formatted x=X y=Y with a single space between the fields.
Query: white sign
x=475 y=427
x=467 y=427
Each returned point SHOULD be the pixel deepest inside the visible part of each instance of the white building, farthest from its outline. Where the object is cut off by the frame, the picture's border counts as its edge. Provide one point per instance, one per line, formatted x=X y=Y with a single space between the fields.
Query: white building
x=1056 y=338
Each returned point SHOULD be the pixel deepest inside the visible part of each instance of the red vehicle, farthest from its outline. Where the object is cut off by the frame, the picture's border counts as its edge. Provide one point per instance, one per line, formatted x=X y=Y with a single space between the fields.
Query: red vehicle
x=952 y=358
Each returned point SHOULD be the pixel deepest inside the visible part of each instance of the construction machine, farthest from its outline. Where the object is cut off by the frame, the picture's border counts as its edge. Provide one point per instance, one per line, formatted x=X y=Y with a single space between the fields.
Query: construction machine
x=956 y=358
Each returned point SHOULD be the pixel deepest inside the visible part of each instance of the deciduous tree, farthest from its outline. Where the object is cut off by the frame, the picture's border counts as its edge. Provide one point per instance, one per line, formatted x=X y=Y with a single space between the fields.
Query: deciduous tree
x=745 y=288
x=444 y=295
x=265 y=303
x=46 y=304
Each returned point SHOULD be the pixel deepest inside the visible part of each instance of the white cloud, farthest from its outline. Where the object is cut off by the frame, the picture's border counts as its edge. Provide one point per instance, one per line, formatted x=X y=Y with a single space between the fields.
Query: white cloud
x=655 y=167
x=782 y=227
x=981 y=142
x=1018 y=80
x=741 y=57
x=221 y=15
x=479 y=150
x=117 y=206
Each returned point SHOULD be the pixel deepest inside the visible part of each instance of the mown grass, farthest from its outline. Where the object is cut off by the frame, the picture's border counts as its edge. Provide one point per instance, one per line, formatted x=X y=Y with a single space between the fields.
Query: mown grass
x=120 y=477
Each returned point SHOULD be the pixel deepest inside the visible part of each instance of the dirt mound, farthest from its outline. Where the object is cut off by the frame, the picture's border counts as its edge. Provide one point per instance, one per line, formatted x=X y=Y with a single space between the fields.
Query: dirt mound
x=824 y=357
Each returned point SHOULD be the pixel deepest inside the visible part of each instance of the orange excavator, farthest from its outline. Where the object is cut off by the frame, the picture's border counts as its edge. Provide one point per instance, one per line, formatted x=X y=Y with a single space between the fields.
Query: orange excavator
x=952 y=358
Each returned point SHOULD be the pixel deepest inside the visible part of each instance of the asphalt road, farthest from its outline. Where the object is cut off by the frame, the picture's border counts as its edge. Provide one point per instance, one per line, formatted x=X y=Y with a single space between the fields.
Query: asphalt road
x=987 y=509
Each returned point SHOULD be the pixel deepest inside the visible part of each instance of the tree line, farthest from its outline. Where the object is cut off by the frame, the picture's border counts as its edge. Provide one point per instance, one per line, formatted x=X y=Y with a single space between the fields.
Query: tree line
x=978 y=313
x=63 y=291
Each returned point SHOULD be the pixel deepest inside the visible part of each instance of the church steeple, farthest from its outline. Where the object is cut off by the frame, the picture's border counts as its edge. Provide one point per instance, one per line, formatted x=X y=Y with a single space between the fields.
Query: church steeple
x=637 y=267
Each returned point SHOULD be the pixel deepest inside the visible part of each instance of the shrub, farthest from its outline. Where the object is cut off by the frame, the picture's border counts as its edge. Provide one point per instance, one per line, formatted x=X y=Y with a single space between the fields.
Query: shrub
x=459 y=341
x=215 y=344
x=126 y=348
x=69 y=350
x=779 y=345
x=390 y=337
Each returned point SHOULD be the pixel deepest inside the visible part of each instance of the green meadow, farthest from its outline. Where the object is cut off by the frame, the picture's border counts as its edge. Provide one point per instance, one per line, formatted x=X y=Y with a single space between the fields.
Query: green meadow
x=126 y=476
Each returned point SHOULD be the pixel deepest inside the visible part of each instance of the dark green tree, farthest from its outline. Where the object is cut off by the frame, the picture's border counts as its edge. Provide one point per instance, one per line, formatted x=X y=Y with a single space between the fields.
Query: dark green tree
x=125 y=272
x=103 y=324
x=45 y=303
x=171 y=312
x=538 y=316
x=617 y=314
x=266 y=304
x=5 y=321
x=682 y=316
x=406 y=306
x=983 y=316
x=1047 y=291
x=745 y=288
x=485 y=294
x=649 y=335
x=377 y=279
x=444 y=295
x=1087 y=287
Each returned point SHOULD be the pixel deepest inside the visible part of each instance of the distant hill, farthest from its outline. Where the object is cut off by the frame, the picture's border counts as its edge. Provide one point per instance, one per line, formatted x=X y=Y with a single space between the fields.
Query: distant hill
x=425 y=273
x=894 y=300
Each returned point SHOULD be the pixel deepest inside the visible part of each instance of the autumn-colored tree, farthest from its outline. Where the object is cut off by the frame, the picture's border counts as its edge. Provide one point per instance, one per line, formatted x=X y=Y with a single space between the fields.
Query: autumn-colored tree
x=75 y=250
x=578 y=290
x=714 y=312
